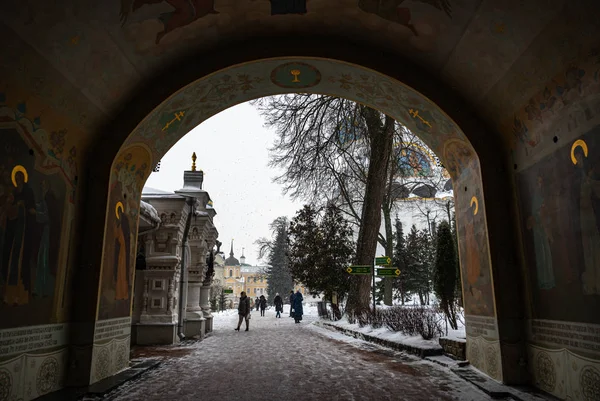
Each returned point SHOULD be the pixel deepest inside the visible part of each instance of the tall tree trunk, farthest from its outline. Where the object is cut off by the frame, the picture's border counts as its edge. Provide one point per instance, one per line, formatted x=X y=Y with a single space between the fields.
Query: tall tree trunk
x=381 y=136
x=389 y=251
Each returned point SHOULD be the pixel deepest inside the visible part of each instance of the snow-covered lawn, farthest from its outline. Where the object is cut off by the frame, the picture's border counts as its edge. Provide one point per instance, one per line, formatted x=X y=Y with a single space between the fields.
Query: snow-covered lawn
x=311 y=312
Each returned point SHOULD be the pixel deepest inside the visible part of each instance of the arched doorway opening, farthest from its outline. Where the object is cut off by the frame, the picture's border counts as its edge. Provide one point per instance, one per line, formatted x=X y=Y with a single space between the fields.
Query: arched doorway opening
x=155 y=132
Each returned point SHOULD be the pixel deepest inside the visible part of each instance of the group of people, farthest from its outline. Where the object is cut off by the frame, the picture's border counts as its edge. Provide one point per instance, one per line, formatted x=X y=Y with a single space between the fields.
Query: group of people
x=244 y=307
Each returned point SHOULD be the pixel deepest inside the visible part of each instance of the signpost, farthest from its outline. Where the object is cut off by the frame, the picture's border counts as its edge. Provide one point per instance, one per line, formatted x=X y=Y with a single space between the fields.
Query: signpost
x=380 y=261
x=226 y=291
x=393 y=272
x=359 y=269
x=383 y=261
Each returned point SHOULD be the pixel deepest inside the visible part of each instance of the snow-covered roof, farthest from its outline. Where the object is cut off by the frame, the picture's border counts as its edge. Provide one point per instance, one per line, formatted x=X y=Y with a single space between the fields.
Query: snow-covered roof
x=253 y=269
x=154 y=191
x=150 y=213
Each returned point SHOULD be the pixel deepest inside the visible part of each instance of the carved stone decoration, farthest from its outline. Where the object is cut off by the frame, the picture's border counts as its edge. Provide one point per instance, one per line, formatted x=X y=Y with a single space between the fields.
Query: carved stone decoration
x=210 y=271
x=5 y=384
x=492 y=361
x=102 y=364
x=47 y=376
x=122 y=356
x=589 y=380
x=474 y=355
x=545 y=372
x=145 y=307
x=171 y=298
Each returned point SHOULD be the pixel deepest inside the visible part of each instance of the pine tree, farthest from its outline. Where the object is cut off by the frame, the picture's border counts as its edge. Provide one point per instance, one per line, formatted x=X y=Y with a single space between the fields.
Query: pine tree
x=459 y=293
x=336 y=254
x=411 y=276
x=445 y=272
x=427 y=250
x=305 y=241
x=320 y=251
x=279 y=279
x=399 y=261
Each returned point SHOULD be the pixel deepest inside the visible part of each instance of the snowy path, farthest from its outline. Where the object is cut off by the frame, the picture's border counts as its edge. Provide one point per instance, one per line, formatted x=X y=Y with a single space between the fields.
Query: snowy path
x=280 y=360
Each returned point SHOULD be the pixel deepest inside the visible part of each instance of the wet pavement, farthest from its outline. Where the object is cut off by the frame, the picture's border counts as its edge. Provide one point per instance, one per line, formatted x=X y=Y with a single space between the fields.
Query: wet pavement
x=280 y=360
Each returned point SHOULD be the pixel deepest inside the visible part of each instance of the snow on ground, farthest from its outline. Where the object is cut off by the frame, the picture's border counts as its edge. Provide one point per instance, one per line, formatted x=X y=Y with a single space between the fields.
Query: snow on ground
x=398 y=337
x=280 y=360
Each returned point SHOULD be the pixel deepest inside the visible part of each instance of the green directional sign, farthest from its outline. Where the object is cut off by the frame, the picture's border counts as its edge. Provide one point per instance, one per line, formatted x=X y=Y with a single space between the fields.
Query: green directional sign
x=388 y=272
x=359 y=269
x=383 y=261
x=225 y=291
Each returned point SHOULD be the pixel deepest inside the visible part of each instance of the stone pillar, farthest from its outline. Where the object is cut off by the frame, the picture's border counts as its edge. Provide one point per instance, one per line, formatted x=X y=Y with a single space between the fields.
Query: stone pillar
x=205 y=305
x=195 y=323
x=210 y=272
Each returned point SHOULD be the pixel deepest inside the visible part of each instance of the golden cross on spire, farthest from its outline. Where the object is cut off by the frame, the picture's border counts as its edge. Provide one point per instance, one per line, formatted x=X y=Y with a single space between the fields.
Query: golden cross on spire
x=194 y=161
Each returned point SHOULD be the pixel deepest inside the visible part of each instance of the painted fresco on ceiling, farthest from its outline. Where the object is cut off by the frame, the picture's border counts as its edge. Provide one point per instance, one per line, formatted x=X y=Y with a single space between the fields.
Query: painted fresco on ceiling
x=560 y=208
x=428 y=25
x=536 y=121
x=129 y=172
x=184 y=13
x=33 y=202
x=478 y=292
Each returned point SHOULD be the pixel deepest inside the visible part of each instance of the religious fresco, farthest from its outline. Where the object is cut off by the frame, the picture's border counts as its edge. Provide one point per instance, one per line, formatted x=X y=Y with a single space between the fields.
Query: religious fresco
x=463 y=165
x=38 y=182
x=560 y=211
x=295 y=75
x=184 y=13
x=129 y=173
x=536 y=121
x=393 y=10
x=32 y=208
x=432 y=18
x=415 y=162
x=205 y=97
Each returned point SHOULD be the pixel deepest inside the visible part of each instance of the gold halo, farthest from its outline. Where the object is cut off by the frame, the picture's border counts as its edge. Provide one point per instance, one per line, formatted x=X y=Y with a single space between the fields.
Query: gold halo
x=18 y=168
x=117 y=207
x=476 y=202
x=578 y=143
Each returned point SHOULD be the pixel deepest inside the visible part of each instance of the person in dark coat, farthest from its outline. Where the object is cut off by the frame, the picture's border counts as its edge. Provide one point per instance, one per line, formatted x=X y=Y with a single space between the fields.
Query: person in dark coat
x=243 y=311
x=298 y=312
x=278 y=301
x=292 y=303
x=257 y=303
x=263 y=305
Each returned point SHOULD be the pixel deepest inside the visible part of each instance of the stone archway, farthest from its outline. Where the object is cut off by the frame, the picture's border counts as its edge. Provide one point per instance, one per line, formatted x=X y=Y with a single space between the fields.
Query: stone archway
x=212 y=93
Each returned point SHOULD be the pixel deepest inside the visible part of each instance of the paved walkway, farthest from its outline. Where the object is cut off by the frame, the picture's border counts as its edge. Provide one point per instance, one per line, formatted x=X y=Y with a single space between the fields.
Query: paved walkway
x=280 y=360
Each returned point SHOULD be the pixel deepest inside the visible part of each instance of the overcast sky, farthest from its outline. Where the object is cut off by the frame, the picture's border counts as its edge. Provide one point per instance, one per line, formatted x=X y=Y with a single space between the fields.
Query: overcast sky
x=232 y=149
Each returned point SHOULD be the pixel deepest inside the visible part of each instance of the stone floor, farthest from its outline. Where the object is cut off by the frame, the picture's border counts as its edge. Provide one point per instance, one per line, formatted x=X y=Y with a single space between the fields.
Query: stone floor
x=280 y=360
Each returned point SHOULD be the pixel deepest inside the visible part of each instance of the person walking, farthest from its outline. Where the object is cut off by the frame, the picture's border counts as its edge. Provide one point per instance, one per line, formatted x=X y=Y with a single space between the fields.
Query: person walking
x=292 y=303
x=243 y=311
x=278 y=301
x=263 y=305
x=257 y=303
x=298 y=311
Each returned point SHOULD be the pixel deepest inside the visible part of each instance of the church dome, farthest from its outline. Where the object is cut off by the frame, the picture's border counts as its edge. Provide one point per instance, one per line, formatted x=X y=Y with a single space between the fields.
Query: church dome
x=231 y=260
